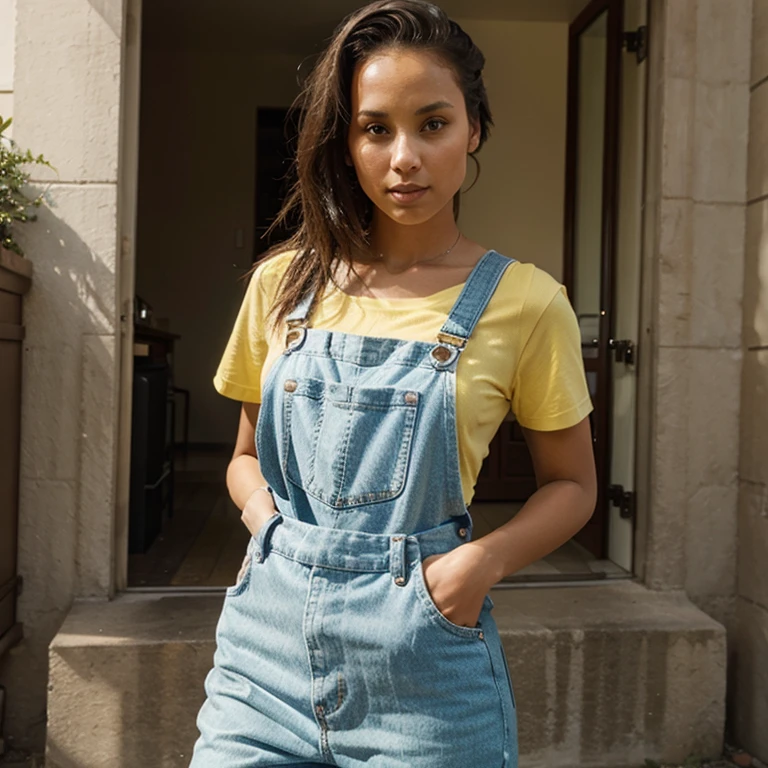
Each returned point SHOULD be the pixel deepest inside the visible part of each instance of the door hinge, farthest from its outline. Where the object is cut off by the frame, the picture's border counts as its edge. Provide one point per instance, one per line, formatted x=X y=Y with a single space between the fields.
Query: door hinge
x=624 y=349
x=636 y=42
x=624 y=500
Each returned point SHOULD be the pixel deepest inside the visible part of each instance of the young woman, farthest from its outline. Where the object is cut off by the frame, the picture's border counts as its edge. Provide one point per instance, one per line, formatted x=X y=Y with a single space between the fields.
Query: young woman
x=376 y=353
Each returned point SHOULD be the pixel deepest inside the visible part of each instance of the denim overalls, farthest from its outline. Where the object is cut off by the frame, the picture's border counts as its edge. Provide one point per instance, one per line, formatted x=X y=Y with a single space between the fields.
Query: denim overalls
x=330 y=649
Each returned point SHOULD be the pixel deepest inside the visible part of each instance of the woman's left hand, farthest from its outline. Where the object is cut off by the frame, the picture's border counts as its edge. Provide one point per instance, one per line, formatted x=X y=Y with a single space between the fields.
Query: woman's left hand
x=457 y=582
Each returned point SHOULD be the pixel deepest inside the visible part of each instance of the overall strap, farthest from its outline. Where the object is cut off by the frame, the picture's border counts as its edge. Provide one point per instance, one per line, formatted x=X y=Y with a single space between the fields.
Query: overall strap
x=474 y=298
x=298 y=315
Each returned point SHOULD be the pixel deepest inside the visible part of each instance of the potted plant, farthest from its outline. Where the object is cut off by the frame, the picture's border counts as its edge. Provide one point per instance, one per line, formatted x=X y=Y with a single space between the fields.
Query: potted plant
x=15 y=206
x=15 y=279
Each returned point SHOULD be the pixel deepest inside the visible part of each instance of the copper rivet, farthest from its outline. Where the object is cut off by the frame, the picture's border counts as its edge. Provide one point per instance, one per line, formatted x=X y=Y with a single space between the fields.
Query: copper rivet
x=399 y=581
x=397 y=538
x=481 y=635
x=411 y=397
x=462 y=532
x=290 y=385
x=441 y=353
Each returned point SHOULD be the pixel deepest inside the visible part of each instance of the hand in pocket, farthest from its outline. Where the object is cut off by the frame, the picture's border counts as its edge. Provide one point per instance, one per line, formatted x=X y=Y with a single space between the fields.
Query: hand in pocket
x=456 y=585
x=257 y=510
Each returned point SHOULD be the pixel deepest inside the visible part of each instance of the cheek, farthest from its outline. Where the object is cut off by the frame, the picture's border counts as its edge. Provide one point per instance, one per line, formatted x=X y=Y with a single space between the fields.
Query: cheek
x=371 y=158
x=452 y=154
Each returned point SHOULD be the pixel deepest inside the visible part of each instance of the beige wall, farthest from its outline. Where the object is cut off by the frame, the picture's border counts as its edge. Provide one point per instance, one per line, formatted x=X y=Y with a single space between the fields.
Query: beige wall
x=198 y=133
x=692 y=330
x=750 y=649
x=517 y=206
x=7 y=33
x=69 y=404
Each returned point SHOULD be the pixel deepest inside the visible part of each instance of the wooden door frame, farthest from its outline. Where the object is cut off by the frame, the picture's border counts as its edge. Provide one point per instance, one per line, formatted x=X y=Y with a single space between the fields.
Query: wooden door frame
x=594 y=534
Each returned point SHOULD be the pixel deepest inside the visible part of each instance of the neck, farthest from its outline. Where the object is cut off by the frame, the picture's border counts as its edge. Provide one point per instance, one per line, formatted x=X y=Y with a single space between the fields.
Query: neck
x=402 y=245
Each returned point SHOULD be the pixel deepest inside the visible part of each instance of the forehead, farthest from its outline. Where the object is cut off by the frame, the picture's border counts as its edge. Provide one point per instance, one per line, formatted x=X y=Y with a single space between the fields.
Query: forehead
x=404 y=77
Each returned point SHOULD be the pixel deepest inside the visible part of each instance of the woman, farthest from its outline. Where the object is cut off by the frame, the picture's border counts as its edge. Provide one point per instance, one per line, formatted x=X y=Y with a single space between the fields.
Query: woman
x=376 y=354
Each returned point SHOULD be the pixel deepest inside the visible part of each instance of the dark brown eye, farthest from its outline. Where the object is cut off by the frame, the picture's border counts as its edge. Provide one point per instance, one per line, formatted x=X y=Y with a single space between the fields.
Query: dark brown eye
x=436 y=121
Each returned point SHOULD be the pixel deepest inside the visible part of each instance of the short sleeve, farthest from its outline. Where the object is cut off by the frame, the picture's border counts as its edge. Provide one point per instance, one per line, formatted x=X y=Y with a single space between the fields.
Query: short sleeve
x=550 y=389
x=239 y=373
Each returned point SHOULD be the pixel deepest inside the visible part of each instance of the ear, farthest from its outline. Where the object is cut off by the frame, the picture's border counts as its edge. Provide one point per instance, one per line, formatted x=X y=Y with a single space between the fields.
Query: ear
x=474 y=137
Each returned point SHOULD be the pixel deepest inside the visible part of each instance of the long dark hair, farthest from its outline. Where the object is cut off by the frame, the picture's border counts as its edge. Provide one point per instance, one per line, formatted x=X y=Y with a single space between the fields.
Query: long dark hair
x=332 y=211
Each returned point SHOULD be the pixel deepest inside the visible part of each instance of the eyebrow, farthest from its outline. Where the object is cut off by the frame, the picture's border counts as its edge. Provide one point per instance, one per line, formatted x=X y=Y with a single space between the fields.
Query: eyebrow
x=420 y=111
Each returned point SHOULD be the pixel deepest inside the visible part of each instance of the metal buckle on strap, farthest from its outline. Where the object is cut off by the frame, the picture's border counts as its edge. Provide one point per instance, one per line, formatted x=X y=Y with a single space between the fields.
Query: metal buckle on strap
x=449 y=338
x=295 y=332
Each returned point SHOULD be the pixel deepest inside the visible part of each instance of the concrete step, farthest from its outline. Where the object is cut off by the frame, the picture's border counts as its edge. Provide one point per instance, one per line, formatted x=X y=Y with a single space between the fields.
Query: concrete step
x=605 y=676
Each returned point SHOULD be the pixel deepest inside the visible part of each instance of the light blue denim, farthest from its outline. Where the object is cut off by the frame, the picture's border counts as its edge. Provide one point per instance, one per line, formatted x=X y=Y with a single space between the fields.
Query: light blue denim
x=330 y=649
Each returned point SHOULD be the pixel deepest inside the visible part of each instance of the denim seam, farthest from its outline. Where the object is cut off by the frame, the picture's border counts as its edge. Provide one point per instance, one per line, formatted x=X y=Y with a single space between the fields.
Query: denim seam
x=306 y=560
x=237 y=589
x=342 y=457
x=502 y=708
x=352 y=361
x=315 y=440
x=287 y=407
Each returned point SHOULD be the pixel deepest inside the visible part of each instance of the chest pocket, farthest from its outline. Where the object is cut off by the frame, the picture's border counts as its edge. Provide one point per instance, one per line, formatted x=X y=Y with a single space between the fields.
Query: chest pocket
x=347 y=445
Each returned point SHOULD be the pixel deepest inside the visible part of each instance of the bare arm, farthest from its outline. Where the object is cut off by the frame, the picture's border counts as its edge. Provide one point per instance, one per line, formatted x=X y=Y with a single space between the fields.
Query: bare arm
x=244 y=474
x=565 y=500
x=565 y=473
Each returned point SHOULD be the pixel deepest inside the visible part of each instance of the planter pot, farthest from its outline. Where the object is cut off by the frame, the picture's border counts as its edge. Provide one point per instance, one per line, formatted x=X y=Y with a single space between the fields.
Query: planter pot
x=15 y=280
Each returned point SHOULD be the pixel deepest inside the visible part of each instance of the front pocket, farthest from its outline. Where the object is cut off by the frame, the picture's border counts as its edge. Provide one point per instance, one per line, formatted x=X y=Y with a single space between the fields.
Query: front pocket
x=433 y=612
x=347 y=445
x=243 y=576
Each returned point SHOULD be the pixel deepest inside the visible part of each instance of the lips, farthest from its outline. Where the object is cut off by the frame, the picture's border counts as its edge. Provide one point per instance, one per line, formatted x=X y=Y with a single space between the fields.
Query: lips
x=408 y=194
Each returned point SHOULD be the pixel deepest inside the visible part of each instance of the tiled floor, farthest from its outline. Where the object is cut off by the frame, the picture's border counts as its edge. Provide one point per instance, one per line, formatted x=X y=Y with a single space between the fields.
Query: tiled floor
x=203 y=544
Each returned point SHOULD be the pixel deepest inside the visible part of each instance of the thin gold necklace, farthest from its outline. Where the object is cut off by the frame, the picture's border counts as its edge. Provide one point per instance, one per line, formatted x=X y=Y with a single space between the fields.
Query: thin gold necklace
x=420 y=261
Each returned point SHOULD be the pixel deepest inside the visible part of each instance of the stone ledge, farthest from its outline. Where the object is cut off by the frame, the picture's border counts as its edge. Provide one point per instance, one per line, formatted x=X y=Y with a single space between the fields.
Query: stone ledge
x=605 y=675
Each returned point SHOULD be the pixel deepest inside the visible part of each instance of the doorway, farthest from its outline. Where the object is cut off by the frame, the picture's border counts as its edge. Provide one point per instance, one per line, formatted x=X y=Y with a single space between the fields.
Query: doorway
x=215 y=92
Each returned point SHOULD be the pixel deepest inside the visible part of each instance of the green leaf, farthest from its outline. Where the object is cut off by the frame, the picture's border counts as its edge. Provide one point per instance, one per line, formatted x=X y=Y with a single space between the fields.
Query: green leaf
x=16 y=207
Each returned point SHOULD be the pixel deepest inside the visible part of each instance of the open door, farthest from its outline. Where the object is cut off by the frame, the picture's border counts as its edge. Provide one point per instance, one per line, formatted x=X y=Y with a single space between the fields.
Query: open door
x=602 y=248
x=626 y=290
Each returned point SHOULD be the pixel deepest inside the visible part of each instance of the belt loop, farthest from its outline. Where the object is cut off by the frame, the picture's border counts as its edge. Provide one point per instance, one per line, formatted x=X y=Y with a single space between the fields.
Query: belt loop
x=263 y=536
x=397 y=564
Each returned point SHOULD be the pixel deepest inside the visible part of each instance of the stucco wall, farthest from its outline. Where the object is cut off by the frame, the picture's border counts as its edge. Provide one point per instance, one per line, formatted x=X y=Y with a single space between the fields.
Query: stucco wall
x=750 y=646
x=70 y=113
x=691 y=355
x=7 y=33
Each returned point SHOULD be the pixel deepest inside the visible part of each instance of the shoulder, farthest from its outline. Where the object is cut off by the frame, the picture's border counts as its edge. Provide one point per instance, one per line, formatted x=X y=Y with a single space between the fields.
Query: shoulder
x=266 y=277
x=528 y=292
x=272 y=268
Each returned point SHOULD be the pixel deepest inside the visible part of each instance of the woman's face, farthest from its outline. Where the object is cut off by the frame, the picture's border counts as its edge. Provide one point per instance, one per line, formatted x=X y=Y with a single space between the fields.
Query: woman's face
x=409 y=126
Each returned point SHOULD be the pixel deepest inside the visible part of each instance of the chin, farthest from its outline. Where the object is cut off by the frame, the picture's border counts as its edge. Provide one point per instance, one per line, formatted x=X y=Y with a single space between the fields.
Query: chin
x=409 y=214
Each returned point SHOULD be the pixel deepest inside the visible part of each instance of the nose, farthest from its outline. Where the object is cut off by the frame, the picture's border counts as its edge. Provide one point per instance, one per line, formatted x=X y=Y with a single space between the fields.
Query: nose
x=405 y=156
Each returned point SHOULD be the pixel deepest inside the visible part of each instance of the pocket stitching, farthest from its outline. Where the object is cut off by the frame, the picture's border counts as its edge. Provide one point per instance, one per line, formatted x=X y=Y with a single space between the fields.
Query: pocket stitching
x=504 y=719
x=398 y=475
x=238 y=588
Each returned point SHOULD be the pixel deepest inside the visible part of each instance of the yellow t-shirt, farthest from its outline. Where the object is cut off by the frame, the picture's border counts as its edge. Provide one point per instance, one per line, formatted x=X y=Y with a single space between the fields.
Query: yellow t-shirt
x=524 y=354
